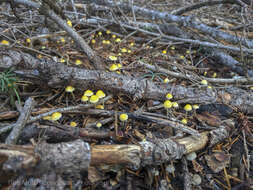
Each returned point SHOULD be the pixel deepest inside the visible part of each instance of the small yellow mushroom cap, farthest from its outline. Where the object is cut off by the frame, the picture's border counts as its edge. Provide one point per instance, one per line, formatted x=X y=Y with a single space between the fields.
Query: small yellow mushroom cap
x=214 y=75
x=169 y=96
x=69 y=89
x=5 y=42
x=118 y=40
x=108 y=32
x=28 y=40
x=188 y=107
x=188 y=52
x=181 y=57
x=184 y=121
x=251 y=88
x=166 y=80
x=73 y=124
x=78 y=62
x=100 y=33
x=94 y=99
x=132 y=44
x=88 y=93
x=113 y=58
x=113 y=67
x=56 y=116
x=84 y=98
x=204 y=82
x=210 y=87
x=123 y=50
x=107 y=42
x=172 y=47
x=175 y=105
x=93 y=41
x=119 y=65
x=167 y=104
x=164 y=51
x=62 y=40
x=100 y=94
x=195 y=106
x=123 y=117
x=69 y=23
x=101 y=107
x=113 y=36
x=104 y=41
x=98 y=125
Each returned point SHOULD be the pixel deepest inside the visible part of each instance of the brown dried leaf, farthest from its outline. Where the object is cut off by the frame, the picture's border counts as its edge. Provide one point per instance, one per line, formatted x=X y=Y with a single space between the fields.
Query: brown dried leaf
x=217 y=161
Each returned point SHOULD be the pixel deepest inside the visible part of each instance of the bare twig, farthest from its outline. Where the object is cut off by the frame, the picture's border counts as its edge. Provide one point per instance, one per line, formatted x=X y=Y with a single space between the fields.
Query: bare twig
x=20 y=124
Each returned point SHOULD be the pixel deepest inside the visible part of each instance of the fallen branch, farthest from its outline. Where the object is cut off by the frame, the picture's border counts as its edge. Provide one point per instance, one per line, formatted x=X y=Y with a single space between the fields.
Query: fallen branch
x=185 y=21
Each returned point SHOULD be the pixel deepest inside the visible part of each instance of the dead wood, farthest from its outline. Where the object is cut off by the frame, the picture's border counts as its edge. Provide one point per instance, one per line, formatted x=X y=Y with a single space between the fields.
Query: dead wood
x=76 y=156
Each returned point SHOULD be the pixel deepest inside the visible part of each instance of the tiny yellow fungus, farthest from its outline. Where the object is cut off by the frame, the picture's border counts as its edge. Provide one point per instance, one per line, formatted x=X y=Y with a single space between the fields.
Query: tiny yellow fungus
x=88 y=93
x=172 y=47
x=93 y=41
x=108 y=32
x=69 y=23
x=175 y=105
x=118 y=72
x=100 y=33
x=132 y=44
x=129 y=51
x=113 y=36
x=195 y=106
x=69 y=89
x=164 y=51
x=188 y=107
x=5 y=42
x=123 y=50
x=113 y=67
x=73 y=124
x=101 y=107
x=100 y=94
x=78 y=62
x=123 y=117
x=167 y=104
x=204 y=82
x=166 y=80
x=251 y=88
x=119 y=54
x=62 y=60
x=169 y=96
x=28 y=40
x=113 y=58
x=118 y=40
x=181 y=57
x=184 y=121
x=188 y=52
x=43 y=47
x=104 y=42
x=94 y=99
x=214 y=75
x=209 y=87
x=107 y=42
x=62 y=40
x=84 y=98
x=205 y=73
x=98 y=125
x=119 y=65
x=56 y=116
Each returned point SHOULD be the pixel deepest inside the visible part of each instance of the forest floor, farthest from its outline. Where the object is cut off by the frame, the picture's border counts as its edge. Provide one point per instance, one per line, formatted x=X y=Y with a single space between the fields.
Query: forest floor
x=162 y=101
